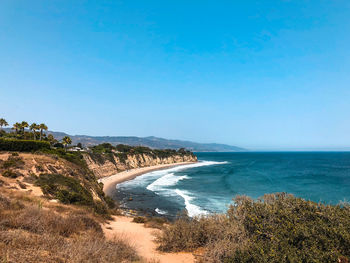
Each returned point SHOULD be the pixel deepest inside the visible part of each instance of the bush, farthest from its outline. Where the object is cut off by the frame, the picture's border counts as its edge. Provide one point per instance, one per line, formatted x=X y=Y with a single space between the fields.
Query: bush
x=103 y=148
x=66 y=189
x=110 y=202
x=187 y=234
x=31 y=234
x=123 y=148
x=10 y=174
x=276 y=228
x=22 y=145
x=73 y=157
x=156 y=222
x=139 y=219
x=13 y=162
x=69 y=190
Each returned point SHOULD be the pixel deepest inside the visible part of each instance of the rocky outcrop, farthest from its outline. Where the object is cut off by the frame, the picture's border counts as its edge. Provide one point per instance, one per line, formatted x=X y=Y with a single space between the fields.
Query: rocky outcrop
x=109 y=164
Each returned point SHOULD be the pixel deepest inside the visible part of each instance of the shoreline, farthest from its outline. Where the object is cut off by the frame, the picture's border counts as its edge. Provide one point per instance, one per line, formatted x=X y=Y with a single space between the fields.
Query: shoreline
x=110 y=182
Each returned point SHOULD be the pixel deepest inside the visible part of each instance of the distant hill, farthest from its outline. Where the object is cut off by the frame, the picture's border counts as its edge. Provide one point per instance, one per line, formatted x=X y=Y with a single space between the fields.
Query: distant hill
x=151 y=141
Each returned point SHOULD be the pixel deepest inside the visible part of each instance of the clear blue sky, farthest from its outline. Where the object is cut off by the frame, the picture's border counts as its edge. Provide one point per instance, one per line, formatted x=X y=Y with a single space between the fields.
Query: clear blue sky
x=257 y=74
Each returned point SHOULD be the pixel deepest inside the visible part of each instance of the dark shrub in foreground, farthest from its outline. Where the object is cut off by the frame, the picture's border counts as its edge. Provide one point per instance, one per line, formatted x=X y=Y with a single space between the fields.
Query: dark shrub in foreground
x=277 y=228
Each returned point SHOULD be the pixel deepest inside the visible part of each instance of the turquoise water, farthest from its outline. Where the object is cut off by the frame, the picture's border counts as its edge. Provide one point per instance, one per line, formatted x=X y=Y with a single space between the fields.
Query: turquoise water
x=210 y=185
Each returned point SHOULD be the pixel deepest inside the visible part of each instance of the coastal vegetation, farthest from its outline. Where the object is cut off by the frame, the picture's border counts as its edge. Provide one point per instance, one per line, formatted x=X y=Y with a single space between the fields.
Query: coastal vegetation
x=70 y=182
x=64 y=224
x=127 y=149
x=275 y=228
x=106 y=151
x=35 y=231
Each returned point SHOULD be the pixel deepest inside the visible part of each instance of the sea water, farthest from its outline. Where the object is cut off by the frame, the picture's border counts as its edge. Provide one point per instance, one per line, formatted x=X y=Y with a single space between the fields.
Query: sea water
x=209 y=185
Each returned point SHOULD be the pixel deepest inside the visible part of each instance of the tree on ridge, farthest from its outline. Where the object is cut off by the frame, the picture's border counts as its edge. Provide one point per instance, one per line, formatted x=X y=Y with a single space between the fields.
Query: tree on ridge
x=17 y=126
x=42 y=127
x=24 y=125
x=65 y=141
x=51 y=139
x=3 y=122
x=34 y=127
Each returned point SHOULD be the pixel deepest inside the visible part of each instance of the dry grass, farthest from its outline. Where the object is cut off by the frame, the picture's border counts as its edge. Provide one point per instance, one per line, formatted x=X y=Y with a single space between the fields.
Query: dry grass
x=21 y=246
x=151 y=222
x=187 y=234
x=33 y=232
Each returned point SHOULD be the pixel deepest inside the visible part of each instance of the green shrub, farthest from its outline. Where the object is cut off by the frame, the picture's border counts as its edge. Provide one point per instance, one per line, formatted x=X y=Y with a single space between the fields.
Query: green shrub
x=22 y=145
x=103 y=148
x=13 y=162
x=69 y=190
x=122 y=157
x=100 y=208
x=123 y=148
x=9 y=173
x=73 y=157
x=156 y=222
x=139 y=219
x=276 y=228
x=66 y=189
x=110 y=202
x=97 y=157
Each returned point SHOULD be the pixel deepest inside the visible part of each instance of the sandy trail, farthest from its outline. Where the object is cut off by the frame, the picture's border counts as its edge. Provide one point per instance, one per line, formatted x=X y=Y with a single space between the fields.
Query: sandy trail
x=142 y=239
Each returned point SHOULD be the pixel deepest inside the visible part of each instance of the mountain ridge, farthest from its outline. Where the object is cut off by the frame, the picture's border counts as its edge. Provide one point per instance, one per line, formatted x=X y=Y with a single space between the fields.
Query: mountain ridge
x=149 y=141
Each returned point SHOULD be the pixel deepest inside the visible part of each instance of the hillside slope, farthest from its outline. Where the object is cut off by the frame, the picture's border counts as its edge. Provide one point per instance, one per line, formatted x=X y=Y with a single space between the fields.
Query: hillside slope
x=58 y=178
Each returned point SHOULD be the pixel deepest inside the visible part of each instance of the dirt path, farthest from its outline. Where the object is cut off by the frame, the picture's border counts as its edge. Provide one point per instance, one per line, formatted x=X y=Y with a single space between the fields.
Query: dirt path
x=143 y=240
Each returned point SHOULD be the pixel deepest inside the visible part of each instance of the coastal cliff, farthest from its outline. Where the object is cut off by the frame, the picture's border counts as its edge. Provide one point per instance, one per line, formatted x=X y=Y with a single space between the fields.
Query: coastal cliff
x=107 y=164
x=61 y=176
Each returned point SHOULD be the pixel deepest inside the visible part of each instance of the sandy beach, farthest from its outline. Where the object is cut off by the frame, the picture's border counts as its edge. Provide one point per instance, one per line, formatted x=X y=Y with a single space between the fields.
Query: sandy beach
x=110 y=182
x=138 y=235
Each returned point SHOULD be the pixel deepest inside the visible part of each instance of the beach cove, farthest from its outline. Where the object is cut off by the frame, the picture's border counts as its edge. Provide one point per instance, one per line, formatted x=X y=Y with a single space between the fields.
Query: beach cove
x=137 y=235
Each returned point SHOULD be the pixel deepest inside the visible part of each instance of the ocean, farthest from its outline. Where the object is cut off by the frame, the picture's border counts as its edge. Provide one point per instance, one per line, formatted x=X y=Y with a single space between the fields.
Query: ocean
x=209 y=185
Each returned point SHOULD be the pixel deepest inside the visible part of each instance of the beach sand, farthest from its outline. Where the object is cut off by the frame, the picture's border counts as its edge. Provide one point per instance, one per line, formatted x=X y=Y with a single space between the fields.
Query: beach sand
x=110 y=182
x=138 y=235
x=142 y=239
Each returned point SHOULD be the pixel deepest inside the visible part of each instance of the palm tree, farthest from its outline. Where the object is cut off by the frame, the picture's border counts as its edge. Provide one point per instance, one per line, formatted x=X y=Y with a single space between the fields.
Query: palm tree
x=33 y=127
x=66 y=140
x=17 y=126
x=3 y=122
x=51 y=139
x=42 y=127
x=24 y=125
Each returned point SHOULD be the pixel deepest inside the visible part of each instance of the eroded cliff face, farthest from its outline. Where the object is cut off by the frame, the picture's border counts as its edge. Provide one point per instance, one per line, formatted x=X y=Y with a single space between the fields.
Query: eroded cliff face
x=112 y=164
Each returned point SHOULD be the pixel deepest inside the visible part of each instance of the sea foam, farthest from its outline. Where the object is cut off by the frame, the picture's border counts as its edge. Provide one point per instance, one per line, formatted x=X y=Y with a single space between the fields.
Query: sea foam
x=169 y=178
x=164 y=181
x=160 y=211
x=192 y=210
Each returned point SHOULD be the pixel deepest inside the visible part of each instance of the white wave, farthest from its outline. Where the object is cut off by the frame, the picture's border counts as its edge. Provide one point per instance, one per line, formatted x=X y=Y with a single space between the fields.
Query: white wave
x=193 y=165
x=183 y=167
x=161 y=212
x=192 y=210
x=166 y=180
x=145 y=178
